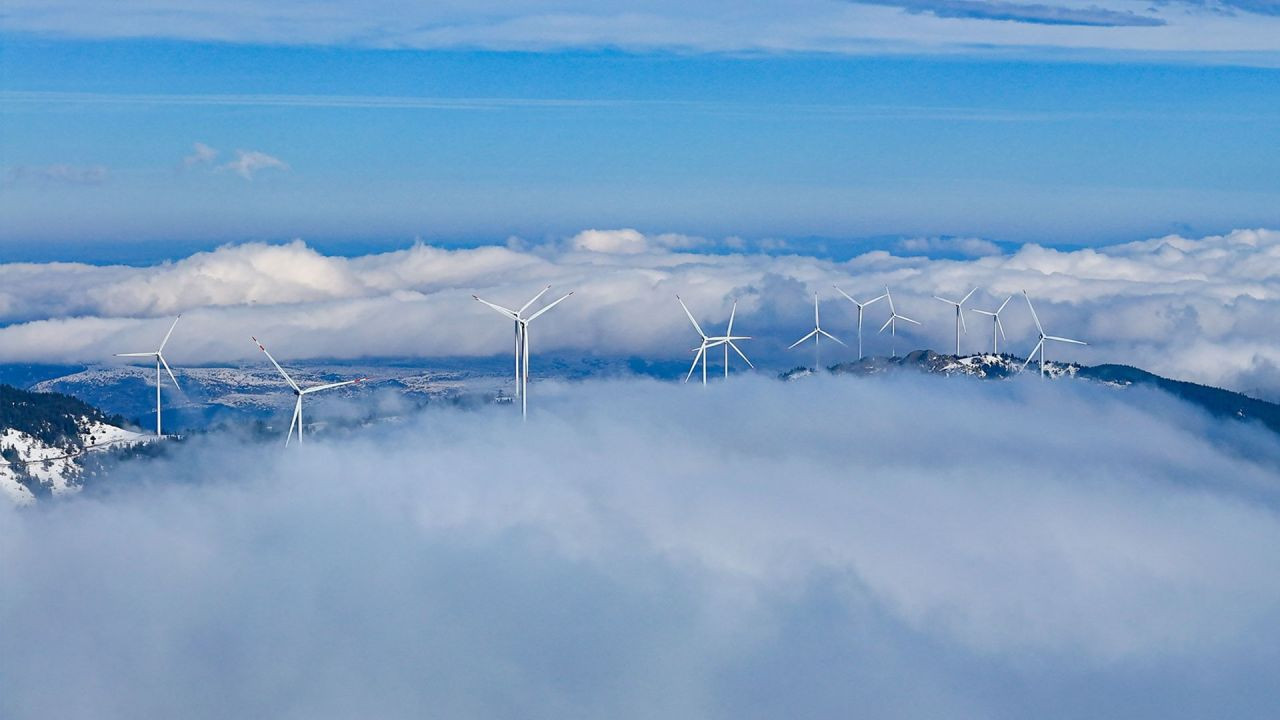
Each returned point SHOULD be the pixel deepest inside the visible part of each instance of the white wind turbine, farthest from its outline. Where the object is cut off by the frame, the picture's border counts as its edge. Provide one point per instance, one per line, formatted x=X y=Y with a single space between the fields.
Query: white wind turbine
x=158 y=354
x=959 y=315
x=1040 y=345
x=816 y=333
x=708 y=342
x=522 y=341
x=860 y=307
x=892 y=322
x=997 y=330
x=299 y=393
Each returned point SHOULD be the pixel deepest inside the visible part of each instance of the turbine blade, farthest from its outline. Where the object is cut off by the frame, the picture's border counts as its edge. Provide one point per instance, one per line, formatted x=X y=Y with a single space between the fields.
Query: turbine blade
x=904 y=317
x=876 y=299
x=1000 y=326
x=146 y=354
x=318 y=388
x=887 y=323
x=1006 y=302
x=696 y=326
x=949 y=302
x=806 y=337
x=965 y=299
x=166 y=335
x=1065 y=340
x=846 y=295
x=982 y=312
x=741 y=355
x=729 y=331
x=833 y=337
x=960 y=315
x=297 y=409
x=696 y=358
x=166 y=367
x=815 y=310
x=509 y=313
x=1032 y=354
x=889 y=297
x=557 y=302
x=1034 y=316
x=287 y=379
x=534 y=300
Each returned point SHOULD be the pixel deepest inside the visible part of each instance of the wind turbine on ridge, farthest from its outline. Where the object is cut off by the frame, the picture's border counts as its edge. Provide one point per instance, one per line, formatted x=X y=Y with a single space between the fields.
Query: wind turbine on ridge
x=522 y=340
x=708 y=342
x=816 y=333
x=997 y=330
x=1040 y=345
x=860 y=307
x=892 y=323
x=300 y=393
x=959 y=315
x=158 y=354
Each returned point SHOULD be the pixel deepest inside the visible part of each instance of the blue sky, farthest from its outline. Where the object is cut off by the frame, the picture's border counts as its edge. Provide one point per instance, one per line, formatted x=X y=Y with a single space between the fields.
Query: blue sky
x=374 y=141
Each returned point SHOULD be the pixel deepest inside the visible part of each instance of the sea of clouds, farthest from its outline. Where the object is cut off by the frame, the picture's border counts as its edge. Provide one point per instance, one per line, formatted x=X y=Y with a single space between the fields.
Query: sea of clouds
x=895 y=547
x=1205 y=310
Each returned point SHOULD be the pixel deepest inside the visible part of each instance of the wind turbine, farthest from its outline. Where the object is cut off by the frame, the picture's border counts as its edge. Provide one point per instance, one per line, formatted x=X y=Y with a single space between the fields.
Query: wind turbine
x=1040 y=345
x=522 y=341
x=708 y=342
x=892 y=322
x=816 y=333
x=299 y=393
x=860 y=307
x=517 y=316
x=997 y=331
x=159 y=356
x=959 y=315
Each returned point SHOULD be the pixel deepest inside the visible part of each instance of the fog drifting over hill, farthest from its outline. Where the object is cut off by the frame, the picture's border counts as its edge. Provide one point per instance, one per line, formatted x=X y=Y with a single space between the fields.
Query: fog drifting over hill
x=896 y=547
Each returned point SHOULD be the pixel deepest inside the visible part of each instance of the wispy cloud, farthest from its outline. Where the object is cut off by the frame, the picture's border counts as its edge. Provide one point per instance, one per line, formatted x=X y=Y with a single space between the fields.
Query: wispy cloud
x=1033 y=13
x=61 y=173
x=716 y=26
x=249 y=163
x=201 y=154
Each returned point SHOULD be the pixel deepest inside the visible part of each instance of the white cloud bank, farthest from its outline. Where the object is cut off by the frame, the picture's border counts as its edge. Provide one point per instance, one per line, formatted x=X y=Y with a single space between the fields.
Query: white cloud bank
x=1205 y=310
x=1029 y=549
x=710 y=26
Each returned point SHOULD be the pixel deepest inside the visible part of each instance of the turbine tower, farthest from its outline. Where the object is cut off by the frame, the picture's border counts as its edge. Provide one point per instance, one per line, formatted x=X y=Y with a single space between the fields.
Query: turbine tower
x=158 y=354
x=1040 y=345
x=997 y=330
x=299 y=393
x=959 y=315
x=892 y=322
x=860 y=307
x=522 y=341
x=816 y=333
x=708 y=342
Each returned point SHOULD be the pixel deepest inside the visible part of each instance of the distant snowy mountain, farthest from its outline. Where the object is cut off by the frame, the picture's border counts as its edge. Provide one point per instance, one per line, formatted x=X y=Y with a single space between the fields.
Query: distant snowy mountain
x=214 y=394
x=46 y=440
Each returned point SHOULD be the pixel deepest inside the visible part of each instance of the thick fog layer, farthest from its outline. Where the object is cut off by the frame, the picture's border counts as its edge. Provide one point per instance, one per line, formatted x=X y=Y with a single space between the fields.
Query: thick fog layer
x=1203 y=310
x=892 y=548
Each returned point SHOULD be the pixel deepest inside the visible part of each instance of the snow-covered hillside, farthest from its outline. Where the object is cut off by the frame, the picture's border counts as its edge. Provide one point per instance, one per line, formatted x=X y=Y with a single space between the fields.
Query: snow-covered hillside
x=45 y=440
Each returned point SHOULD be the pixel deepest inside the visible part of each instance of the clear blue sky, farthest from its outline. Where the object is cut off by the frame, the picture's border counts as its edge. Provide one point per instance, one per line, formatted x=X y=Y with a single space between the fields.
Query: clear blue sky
x=469 y=145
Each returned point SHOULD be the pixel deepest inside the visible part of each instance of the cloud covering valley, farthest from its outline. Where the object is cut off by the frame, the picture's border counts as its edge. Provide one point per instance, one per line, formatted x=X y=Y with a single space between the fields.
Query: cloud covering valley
x=794 y=549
